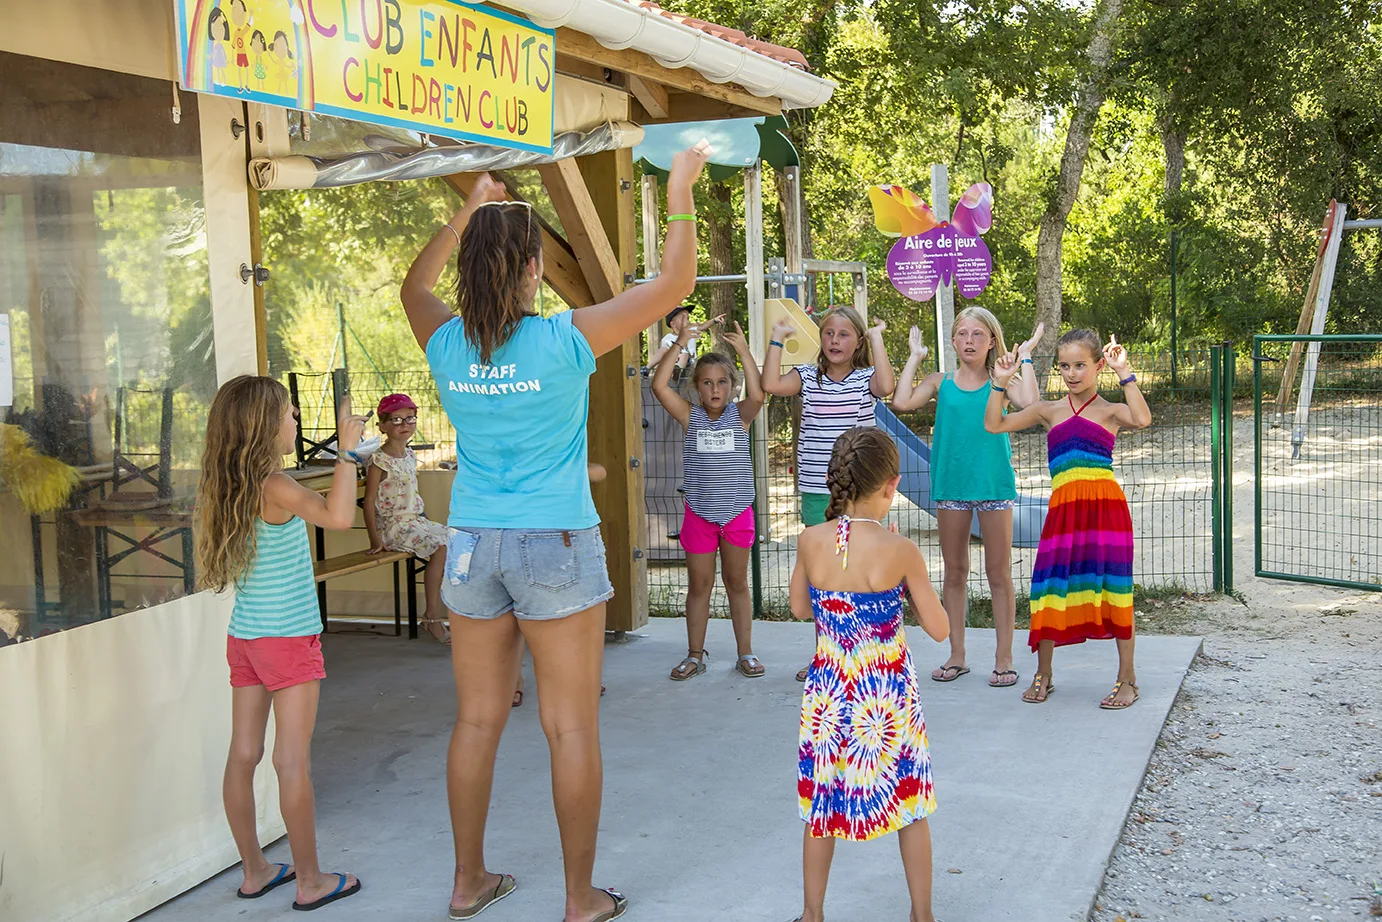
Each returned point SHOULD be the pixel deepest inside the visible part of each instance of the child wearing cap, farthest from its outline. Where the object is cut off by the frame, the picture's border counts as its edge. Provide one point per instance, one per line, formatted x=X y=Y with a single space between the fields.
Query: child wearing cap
x=394 y=512
x=677 y=320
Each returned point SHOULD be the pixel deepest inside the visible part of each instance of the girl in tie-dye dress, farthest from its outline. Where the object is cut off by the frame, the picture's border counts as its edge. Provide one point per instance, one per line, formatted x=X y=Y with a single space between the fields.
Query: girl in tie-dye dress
x=1082 y=583
x=864 y=769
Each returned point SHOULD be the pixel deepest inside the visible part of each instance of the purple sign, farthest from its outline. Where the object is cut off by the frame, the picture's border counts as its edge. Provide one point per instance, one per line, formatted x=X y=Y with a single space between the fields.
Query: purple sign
x=920 y=264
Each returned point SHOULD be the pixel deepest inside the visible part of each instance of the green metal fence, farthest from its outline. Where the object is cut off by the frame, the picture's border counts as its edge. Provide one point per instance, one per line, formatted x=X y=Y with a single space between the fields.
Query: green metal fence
x=316 y=393
x=1176 y=475
x=1318 y=459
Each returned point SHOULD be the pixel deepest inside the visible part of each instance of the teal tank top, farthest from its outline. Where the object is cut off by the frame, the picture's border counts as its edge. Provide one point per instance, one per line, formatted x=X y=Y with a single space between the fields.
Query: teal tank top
x=968 y=463
x=277 y=596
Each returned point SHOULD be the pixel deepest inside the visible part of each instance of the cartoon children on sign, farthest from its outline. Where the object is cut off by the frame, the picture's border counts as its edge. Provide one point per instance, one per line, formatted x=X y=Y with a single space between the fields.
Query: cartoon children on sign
x=217 y=37
x=284 y=66
x=933 y=253
x=239 y=15
x=258 y=46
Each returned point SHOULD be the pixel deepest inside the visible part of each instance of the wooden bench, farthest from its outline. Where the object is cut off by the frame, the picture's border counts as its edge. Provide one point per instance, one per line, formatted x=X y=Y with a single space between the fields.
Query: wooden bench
x=359 y=561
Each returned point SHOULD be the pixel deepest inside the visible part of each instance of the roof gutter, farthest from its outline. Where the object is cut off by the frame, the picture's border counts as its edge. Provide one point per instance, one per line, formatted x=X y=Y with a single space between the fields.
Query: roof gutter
x=618 y=24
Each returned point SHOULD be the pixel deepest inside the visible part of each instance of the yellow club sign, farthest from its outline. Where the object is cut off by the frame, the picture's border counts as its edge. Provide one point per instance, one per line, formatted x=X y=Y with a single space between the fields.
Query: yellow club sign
x=436 y=66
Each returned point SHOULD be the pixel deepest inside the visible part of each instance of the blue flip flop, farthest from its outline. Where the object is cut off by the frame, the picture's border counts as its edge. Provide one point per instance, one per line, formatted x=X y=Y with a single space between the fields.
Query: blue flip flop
x=284 y=876
x=340 y=893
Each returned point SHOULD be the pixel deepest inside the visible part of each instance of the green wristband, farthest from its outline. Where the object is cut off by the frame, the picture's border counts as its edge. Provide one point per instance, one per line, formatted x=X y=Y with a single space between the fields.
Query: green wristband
x=680 y=217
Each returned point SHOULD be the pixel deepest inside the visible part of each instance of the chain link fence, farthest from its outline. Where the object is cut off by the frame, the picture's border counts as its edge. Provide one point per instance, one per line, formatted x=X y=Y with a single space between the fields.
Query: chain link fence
x=1171 y=472
x=1318 y=459
x=316 y=394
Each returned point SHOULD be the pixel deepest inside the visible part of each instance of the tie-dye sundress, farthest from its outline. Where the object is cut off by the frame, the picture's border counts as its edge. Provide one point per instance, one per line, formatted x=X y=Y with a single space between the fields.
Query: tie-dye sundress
x=1082 y=582
x=864 y=768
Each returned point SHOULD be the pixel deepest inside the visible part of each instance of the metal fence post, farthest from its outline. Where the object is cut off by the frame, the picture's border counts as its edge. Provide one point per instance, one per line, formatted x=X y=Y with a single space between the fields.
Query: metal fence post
x=1216 y=408
x=1227 y=384
x=760 y=502
x=1257 y=360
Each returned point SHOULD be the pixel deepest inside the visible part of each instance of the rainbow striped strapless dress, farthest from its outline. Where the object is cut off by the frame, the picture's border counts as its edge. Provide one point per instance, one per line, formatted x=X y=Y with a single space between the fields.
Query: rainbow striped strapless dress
x=863 y=764
x=1082 y=583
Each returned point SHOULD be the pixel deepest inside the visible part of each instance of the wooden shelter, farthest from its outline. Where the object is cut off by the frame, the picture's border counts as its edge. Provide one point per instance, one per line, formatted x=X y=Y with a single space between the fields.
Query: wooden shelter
x=115 y=729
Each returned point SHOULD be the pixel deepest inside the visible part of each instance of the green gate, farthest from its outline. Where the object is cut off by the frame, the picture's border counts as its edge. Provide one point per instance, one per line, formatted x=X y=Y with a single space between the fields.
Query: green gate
x=1317 y=414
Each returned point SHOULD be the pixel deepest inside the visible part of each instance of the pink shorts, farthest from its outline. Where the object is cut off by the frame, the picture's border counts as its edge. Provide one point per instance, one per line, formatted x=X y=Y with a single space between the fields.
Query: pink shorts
x=701 y=537
x=274 y=662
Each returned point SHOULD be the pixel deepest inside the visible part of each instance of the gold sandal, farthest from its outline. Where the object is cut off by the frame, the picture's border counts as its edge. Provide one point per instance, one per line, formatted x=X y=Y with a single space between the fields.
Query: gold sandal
x=1036 y=689
x=1108 y=703
x=445 y=638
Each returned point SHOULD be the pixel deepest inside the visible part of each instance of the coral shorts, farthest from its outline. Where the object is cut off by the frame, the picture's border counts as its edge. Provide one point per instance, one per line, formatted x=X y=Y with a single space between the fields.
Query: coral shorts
x=274 y=662
x=701 y=537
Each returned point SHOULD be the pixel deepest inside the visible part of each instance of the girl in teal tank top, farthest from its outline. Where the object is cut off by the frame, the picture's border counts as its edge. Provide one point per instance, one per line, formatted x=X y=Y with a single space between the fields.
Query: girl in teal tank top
x=972 y=472
x=251 y=537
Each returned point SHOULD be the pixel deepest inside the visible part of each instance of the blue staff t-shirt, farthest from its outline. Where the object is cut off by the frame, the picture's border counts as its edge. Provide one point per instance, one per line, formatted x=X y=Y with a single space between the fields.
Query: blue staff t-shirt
x=520 y=425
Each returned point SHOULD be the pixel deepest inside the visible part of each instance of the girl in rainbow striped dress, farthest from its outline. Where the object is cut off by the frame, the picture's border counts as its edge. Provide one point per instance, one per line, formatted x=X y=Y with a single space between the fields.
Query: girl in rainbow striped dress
x=1082 y=583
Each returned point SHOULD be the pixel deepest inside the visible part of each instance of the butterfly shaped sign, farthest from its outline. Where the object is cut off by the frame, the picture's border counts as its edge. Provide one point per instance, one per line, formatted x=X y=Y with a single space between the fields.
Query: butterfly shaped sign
x=931 y=253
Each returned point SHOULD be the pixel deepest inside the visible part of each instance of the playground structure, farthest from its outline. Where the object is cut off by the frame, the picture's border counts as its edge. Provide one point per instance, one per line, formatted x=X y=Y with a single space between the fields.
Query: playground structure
x=747 y=144
x=1313 y=314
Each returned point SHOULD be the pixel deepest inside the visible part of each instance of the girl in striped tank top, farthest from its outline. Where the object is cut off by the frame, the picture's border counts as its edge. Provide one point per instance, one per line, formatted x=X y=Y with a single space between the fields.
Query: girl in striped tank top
x=251 y=533
x=1082 y=582
x=719 y=490
x=837 y=393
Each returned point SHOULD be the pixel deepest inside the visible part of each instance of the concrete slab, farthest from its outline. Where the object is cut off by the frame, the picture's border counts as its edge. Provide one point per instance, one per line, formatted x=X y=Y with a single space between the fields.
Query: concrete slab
x=700 y=818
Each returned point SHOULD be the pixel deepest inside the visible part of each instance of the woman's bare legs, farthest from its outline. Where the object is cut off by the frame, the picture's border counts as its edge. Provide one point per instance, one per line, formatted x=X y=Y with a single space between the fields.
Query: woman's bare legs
x=816 y=855
x=567 y=656
x=914 y=841
x=997 y=530
x=954 y=529
x=249 y=718
x=518 y=689
x=734 y=570
x=295 y=717
x=484 y=658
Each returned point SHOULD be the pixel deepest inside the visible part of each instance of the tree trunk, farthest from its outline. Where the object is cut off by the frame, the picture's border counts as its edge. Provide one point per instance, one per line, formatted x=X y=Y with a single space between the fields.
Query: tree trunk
x=720 y=235
x=1089 y=99
x=1173 y=143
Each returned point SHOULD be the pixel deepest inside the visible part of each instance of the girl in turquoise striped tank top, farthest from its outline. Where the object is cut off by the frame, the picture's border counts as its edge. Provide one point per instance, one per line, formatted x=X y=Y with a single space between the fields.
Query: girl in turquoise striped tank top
x=972 y=474
x=251 y=533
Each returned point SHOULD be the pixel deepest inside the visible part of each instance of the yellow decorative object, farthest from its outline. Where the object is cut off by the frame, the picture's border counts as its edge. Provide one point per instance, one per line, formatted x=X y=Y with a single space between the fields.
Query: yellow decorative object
x=43 y=484
x=803 y=344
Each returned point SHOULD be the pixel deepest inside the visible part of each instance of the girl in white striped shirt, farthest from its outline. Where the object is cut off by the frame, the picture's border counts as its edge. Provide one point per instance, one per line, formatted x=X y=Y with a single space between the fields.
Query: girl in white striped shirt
x=837 y=394
x=719 y=490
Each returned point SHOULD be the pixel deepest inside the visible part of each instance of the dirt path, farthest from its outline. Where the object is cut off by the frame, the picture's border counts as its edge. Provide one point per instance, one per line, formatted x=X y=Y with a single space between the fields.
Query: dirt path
x=1263 y=799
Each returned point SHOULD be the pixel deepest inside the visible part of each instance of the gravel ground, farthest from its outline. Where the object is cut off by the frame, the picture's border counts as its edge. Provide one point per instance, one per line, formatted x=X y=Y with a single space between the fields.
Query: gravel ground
x=1263 y=798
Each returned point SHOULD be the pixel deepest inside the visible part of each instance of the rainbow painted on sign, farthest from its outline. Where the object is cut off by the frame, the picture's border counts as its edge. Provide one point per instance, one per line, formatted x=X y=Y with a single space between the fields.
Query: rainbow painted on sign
x=436 y=66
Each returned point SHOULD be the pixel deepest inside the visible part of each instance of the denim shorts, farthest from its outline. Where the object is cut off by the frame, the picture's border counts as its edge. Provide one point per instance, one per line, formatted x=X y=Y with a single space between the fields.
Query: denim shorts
x=975 y=505
x=538 y=574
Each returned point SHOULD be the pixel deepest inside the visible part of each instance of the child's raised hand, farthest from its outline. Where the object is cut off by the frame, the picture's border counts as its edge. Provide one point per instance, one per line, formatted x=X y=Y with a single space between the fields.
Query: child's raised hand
x=687 y=165
x=1024 y=351
x=349 y=427
x=781 y=330
x=1004 y=368
x=1116 y=356
x=878 y=327
x=693 y=330
x=736 y=338
x=917 y=343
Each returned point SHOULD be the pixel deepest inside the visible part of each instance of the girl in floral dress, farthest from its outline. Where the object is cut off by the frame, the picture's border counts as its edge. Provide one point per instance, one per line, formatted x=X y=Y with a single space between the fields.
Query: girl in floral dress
x=864 y=767
x=394 y=512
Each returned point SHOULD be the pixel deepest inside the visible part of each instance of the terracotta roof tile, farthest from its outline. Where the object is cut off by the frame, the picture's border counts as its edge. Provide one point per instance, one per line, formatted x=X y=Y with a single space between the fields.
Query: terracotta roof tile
x=733 y=36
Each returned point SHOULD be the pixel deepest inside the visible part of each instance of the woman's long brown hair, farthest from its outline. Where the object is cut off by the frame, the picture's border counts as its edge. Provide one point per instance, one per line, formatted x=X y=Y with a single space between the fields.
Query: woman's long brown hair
x=241 y=452
x=492 y=273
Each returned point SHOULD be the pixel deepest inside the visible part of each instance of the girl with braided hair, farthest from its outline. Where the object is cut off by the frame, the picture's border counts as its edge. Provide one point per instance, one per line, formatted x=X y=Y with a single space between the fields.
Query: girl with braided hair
x=850 y=373
x=864 y=767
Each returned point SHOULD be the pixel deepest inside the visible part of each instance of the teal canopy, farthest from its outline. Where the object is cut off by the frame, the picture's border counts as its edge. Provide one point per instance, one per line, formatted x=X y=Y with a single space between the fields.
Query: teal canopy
x=735 y=143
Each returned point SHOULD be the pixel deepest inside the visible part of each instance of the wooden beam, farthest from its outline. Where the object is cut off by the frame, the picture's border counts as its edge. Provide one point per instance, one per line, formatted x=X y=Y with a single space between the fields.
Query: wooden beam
x=688 y=107
x=560 y=269
x=582 y=47
x=615 y=428
x=652 y=96
x=584 y=230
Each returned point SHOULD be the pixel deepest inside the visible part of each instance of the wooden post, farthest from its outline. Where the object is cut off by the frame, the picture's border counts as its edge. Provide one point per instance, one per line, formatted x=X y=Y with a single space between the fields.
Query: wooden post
x=616 y=411
x=758 y=333
x=1307 y=314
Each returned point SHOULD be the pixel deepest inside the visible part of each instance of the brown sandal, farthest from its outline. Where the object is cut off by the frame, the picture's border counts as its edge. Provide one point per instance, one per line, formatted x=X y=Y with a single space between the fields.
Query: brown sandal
x=1037 y=694
x=445 y=638
x=1109 y=704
